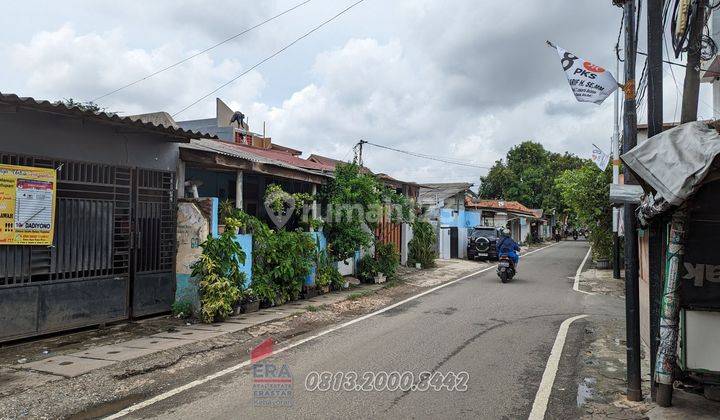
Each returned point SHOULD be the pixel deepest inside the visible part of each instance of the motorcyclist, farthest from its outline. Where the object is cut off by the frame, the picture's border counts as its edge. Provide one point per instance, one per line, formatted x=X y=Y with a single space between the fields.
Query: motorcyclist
x=506 y=246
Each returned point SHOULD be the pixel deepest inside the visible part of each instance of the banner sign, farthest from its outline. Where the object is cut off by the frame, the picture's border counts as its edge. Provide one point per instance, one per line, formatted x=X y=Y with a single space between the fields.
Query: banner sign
x=27 y=205
x=589 y=83
x=600 y=158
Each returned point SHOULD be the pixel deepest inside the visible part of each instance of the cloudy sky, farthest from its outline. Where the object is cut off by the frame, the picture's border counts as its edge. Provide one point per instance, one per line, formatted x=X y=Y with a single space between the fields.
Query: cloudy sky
x=463 y=79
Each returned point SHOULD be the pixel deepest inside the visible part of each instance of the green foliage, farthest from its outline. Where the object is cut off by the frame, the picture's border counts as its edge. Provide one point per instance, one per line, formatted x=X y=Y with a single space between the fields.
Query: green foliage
x=586 y=192
x=85 y=106
x=278 y=199
x=312 y=308
x=221 y=280
x=182 y=309
x=524 y=177
x=421 y=248
x=327 y=274
x=225 y=210
x=367 y=268
x=356 y=198
x=359 y=295
x=388 y=259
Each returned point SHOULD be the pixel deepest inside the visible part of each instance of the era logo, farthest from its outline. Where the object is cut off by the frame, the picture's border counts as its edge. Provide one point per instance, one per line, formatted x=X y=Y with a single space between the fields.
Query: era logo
x=701 y=272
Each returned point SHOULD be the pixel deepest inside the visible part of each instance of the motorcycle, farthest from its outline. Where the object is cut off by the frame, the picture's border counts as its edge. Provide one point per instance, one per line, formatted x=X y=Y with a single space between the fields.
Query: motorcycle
x=575 y=235
x=505 y=269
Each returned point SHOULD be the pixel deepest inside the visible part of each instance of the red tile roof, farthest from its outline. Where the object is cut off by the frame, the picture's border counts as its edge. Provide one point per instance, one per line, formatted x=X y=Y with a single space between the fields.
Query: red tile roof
x=499 y=205
x=284 y=156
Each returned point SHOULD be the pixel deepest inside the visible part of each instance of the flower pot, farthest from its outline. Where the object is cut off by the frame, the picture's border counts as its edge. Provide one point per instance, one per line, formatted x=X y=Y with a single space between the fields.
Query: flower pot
x=418 y=266
x=380 y=278
x=324 y=289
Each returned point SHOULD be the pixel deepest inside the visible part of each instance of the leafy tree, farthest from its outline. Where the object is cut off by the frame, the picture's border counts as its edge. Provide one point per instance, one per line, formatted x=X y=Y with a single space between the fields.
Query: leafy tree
x=527 y=176
x=85 y=106
x=586 y=192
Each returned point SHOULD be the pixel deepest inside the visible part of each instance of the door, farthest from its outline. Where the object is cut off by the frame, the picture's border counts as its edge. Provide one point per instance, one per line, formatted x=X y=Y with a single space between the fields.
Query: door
x=454 y=242
x=153 y=265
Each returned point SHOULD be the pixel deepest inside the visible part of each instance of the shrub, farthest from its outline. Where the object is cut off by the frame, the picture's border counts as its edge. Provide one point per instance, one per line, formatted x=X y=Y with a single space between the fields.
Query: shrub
x=421 y=248
x=221 y=280
x=367 y=268
x=182 y=309
x=388 y=259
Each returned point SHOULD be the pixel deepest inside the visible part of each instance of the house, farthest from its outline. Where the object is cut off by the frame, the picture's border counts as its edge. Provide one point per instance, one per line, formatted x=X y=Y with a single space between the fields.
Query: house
x=107 y=252
x=444 y=205
x=507 y=214
x=238 y=165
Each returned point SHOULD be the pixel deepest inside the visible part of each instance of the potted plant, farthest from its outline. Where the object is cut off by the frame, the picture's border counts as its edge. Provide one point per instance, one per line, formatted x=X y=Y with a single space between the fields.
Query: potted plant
x=367 y=269
x=248 y=302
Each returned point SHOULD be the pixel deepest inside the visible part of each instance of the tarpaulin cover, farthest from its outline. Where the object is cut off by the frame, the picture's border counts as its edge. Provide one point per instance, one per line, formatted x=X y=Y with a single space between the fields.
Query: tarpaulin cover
x=675 y=162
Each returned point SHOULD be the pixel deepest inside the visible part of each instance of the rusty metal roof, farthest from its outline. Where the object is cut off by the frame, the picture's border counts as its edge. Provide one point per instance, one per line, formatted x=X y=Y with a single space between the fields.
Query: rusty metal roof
x=103 y=117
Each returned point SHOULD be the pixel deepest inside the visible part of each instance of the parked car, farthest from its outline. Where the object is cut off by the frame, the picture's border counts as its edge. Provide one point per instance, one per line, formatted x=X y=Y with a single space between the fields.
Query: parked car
x=482 y=243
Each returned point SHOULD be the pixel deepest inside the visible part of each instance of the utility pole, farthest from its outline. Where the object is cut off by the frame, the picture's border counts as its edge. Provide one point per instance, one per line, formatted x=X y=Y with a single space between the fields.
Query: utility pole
x=632 y=292
x=655 y=124
x=358 y=152
x=616 y=171
x=691 y=87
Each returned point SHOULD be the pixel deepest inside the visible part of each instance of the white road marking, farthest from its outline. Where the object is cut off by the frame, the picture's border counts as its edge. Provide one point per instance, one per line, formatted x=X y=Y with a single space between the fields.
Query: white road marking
x=576 y=285
x=239 y=366
x=543 y=394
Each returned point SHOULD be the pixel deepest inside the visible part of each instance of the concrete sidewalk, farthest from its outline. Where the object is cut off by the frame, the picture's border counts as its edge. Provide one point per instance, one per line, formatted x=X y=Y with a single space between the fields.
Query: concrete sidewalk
x=77 y=363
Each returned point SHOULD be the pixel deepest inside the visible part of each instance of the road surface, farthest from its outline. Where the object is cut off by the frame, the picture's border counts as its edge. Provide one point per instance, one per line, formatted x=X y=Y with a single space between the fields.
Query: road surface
x=500 y=334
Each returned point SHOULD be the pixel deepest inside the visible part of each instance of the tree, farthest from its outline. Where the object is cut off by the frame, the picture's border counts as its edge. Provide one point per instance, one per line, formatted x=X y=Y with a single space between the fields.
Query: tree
x=586 y=192
x=527 y=176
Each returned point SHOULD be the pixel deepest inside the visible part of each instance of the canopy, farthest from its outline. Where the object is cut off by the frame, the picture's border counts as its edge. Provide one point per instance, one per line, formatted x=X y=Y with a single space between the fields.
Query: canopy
x=674 y=163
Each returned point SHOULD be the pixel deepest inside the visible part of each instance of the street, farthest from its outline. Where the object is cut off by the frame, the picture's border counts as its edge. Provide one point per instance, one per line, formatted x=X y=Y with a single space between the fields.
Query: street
x=501 y=334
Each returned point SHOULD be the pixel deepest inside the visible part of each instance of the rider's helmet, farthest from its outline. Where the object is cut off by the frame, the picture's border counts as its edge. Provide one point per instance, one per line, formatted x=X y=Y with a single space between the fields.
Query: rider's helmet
x=506 y=232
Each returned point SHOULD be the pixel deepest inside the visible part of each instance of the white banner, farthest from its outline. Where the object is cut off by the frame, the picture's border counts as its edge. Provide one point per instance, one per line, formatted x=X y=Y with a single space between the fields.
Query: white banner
x=589 y=83
x=600 y=158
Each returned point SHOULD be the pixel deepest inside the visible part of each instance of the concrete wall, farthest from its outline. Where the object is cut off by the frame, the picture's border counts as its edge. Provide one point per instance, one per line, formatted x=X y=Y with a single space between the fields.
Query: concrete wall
x=406 y=235
x=57 y=136
x=192 y=229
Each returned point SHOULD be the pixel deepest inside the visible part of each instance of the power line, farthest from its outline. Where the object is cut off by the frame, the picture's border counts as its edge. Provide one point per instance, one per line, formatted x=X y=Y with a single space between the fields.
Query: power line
x=430 y=157
x=202 y=52
x=268 y=58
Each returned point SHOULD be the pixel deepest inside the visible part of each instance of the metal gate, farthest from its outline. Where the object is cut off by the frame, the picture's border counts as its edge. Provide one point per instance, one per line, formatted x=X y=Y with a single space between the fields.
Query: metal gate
x=95 y=272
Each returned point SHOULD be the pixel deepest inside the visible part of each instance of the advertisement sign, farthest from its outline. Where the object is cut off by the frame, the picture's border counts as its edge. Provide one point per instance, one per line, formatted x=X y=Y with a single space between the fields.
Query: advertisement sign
x=600 y=158
x=589 y=83
x=27 y=205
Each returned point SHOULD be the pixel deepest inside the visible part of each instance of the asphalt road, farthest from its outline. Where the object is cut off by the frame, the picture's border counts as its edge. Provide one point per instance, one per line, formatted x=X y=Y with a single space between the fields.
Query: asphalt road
x=500 y=334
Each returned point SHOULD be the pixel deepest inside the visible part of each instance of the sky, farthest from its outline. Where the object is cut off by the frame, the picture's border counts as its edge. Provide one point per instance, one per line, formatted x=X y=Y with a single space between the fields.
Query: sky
x=459 y=79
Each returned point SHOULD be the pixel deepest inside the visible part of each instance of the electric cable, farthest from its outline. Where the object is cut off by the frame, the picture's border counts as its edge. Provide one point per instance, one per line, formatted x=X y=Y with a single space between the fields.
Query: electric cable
x=271 y=56
x=190 y=57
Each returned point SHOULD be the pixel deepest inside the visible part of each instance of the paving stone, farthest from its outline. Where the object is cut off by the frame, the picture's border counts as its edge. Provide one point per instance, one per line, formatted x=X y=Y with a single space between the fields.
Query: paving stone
x=114 y=352
x=227 y=327
x=154 y=343
x=68 y=366
x=188 y=334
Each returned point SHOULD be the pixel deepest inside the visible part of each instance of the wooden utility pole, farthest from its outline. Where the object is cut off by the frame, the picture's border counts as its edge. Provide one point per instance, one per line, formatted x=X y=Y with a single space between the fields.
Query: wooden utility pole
x=691 y=87
x=655 y=124
x=632 y=292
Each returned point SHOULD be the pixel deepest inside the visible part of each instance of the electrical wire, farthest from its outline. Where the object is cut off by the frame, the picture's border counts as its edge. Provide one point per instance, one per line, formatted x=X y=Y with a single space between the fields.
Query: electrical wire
x=431 y=157
x=190 y=57
x=271 y=56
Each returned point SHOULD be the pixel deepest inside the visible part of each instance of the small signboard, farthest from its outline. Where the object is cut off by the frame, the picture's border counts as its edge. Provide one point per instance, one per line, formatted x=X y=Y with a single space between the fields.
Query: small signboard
x=27 y=205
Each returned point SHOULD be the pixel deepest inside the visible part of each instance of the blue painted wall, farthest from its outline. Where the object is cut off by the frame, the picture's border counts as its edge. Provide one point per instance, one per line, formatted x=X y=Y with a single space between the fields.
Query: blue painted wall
x=461 y=218
x=320 y=245
x=245 y=242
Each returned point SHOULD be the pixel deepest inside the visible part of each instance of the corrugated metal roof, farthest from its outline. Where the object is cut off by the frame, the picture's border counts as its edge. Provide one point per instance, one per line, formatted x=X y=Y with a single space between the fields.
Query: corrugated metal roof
x=431 y=194
x=104 y=117
x=242 y=152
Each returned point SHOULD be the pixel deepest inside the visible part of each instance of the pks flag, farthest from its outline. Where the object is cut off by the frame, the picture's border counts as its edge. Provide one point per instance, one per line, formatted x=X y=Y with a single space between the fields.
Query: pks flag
x=589 y=83
x=600 y=158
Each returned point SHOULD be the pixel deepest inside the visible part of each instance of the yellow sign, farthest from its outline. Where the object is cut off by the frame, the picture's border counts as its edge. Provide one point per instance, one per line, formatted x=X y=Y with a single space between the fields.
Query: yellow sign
x=27 y=205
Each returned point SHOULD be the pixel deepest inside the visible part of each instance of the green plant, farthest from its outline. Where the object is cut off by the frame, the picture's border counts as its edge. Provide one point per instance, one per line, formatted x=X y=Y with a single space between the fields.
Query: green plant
x=421 y=248
x=312 y=308
x=387 y=258
x=221 y=280
x=225 y=209
x=367 y=268
x=359 y=295
x=182 y=309
x=586 y=193
x=327 y=274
